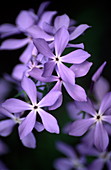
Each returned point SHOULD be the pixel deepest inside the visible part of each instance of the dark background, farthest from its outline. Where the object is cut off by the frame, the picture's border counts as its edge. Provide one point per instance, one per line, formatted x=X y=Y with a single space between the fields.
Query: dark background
x=97 y=42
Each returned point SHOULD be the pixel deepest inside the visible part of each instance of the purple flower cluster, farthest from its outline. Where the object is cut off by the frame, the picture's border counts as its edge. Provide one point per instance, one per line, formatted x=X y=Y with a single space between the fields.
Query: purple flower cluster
x=45 y=67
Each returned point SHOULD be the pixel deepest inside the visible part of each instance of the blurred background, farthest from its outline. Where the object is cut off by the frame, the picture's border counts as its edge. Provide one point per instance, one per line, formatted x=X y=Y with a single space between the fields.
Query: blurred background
x=97 y=42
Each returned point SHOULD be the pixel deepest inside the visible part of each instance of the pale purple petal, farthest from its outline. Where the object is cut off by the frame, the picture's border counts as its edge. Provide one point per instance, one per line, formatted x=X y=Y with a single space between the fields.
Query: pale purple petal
x=36 y=32
x=26 y=55
x=46 y=17
x=100 y=88
x=79 y=127
x=27 y=124
x=16 y=105
x=73 y=111
x=39 y=126
x=99 y=163
x=61 y=21
x=78 y=31
x=24 y=20
x=37 y=74
x=101 y=139
x=8 y=29
x=105 y=104
x=59 y=101
x=49 y=122
x=81 y=69
x=76 y=92
x=12 y=44
x=87 y=150
x=86 y=107
x=97 y=74
x=29 y=141
x=81 y=45
x=18 y=71
x=106 y=118
x=61 y=40
x=66 y=149
x=89 y=135
x=6 y=127
x=63 y=164
x=30 y=88
x=43 y=47
x=50 y=98
x=48 y=68
x=66 y=73
x=42 y=7
x=75 y=57
x=6 y=113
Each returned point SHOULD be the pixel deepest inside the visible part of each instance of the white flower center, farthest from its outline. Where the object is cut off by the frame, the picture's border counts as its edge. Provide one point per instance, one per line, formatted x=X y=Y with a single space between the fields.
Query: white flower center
x=57 y=59
x=17 y=120
x=98 y=117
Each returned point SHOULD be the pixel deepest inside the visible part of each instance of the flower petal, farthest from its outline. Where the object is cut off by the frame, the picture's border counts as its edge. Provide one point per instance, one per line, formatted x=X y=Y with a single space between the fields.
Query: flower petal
x=61 y=40
x=18 y=71
x=27 y=124
x=48 y=100
x=42 y=7
x=30 y=88
x=78 y=31
x=8 y=29
x=97 y=74
x=48 y=68
x=101 y=139
x=81 y=45
x=26 y=55
x=106 y=118
x=58 y=102
x=86 y=107
x=100 y=88
x=37 y=32
x=13 y=44
x=106 y=103
x=16 y=105
x=63 y=164
x=37 y=74
x=81 y=69
x=79 y=127
x=46 y=17
x=29 y=141
x=49 y=122
x=66 y=73
x=61 y=21
x=43 y=48
x=24 y=20
x=6 y=127
x=39 y=126
x=66 y=149
x=76 y=92
x=99 y=163
x=75 y=57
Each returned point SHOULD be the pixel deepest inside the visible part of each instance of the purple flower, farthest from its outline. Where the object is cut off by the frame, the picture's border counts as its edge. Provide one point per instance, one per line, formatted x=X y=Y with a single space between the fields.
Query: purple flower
x=101 y=158
x=16 y=106
x=97 y=74
x=71 y=160
x=98 y=119
x=56 y=61
x=7 y=125
x=65 y=21
x=75 y=91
